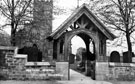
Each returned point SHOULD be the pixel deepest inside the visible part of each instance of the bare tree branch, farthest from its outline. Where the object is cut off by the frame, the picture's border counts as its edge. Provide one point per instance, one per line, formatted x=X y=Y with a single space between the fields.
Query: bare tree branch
x=14 y=11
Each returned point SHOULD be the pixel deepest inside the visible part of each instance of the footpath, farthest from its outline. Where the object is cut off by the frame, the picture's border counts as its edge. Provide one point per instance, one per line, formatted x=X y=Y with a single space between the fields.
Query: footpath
x=78 y=78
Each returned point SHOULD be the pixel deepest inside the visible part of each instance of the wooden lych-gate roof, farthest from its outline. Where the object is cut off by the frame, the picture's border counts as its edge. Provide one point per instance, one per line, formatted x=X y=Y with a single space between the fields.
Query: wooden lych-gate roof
x=84 y=9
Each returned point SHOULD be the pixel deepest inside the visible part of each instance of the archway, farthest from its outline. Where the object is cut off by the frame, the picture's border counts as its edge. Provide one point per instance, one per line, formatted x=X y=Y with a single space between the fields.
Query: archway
x=77 y=42
x=75 y=52
x=88 y=59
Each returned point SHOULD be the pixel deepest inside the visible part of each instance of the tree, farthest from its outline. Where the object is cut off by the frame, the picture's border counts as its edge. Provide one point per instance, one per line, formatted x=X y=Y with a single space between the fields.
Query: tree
x=119 y=15
x=14 y=11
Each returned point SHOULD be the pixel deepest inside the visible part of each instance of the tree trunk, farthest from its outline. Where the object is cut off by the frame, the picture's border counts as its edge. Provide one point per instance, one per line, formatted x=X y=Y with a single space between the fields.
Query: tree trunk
x=129 y=47
x=127 y=33
x=13 y=43
x=12 y=25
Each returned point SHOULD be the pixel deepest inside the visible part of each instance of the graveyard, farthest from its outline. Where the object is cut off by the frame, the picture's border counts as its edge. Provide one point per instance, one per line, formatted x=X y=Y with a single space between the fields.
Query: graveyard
x=51 y=58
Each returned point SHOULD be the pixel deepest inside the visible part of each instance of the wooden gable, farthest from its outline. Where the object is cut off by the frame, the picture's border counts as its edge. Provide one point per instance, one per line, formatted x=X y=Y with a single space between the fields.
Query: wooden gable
x=84 y=9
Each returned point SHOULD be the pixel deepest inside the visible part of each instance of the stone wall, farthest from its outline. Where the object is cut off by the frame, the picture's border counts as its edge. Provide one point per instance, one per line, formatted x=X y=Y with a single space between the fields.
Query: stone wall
x=121 y=72
x=115 y=71
x=17 y=68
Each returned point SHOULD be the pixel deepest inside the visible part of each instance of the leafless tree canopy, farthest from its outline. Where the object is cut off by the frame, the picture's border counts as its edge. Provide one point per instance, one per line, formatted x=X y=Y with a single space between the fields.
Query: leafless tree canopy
x=118 y=15
x=15 y=11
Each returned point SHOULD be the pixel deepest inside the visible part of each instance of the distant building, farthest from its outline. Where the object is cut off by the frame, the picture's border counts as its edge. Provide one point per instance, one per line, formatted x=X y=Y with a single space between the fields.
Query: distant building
x=41 y=26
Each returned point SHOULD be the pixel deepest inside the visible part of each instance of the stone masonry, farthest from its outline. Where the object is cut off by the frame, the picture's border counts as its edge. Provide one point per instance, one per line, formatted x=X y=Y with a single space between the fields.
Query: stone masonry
x=19 y=69
x=42 y=16
x=39 y=29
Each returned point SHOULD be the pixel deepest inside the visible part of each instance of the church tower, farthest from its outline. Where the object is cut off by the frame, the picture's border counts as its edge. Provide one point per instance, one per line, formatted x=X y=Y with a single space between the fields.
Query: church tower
x=42 y=17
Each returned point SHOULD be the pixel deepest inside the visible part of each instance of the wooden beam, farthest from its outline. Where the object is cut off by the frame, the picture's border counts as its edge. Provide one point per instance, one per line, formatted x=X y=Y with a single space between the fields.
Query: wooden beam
x=83 y=24
x=82 y=21
x=78 y=24
x=72 y=27
x=91 y=28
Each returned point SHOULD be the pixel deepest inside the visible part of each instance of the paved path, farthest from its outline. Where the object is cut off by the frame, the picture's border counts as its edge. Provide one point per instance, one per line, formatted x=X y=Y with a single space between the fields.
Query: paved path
x=78 y=78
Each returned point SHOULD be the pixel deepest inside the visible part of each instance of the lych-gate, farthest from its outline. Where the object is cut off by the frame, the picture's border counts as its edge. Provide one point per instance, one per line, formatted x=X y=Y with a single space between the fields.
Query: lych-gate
x=84 y=24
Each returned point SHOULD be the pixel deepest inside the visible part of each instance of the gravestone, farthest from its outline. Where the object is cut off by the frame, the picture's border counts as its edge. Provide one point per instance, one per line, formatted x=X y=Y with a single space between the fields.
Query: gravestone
x=115 y=56
x=126 y=59
x=34 y=54
x=71 y=58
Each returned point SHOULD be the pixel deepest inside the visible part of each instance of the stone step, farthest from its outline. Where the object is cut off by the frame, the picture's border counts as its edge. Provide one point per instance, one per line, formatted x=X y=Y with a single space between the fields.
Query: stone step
x=39 y=64
x=40 y=70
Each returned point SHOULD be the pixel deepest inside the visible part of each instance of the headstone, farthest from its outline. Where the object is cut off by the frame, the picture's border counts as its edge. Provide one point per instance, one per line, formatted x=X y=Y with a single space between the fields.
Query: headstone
x=115 y=57
x=39 y=56
x=71 y=58
x=126 y=59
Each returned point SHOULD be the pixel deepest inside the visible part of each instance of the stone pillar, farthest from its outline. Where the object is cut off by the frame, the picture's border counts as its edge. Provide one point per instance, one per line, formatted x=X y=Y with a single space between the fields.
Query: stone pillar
x=101 y=66
x=88 y=68
x=102 y=70
x=102 y=51
x=66 y=48
x=101 y=59
x=62 y=68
